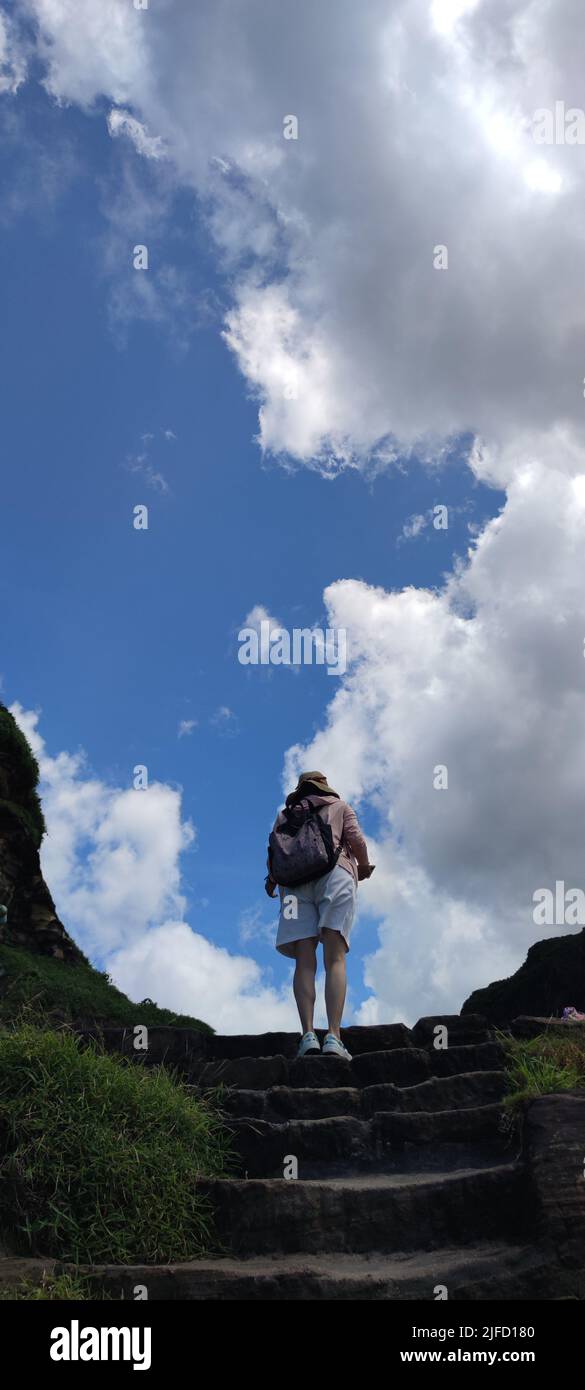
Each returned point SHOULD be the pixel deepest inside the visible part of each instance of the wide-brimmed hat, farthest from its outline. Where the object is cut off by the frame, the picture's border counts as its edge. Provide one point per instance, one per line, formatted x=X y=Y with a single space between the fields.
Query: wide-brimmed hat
x=311 y=782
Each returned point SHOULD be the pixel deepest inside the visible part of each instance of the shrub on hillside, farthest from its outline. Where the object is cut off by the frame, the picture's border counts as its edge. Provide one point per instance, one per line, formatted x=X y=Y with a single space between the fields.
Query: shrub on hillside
x=99 y=1158
x=69 y=991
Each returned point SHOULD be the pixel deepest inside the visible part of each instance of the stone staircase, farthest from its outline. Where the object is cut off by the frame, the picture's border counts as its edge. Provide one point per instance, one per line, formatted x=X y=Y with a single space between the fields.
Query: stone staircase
x=408 y=1185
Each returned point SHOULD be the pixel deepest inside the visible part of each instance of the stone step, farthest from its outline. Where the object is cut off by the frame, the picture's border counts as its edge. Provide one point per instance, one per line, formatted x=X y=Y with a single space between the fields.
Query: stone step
x=385 y=1212
x=439 y=1093
x=180 y=1047
x=487 y=1271
x=473 y=1124
x=461 y=1029
x=282 y=1102
x=294 y=1103
x=400 y=1067
x=261 y=1147
x=342 y=1143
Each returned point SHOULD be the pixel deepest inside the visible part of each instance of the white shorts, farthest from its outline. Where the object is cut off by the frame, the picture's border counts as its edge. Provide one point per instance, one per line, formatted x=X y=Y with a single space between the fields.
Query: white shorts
x=327 y=902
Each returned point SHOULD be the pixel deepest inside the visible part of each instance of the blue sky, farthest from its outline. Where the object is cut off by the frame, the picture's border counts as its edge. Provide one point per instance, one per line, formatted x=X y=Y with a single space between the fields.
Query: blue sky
x=118 y=635
x=417 y=388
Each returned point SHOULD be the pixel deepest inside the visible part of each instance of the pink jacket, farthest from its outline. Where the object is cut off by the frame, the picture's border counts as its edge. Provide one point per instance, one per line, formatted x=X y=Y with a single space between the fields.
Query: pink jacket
x=345 y=829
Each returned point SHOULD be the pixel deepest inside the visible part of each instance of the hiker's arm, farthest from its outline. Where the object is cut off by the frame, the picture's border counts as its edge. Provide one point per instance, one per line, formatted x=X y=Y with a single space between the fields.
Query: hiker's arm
x=355 y=842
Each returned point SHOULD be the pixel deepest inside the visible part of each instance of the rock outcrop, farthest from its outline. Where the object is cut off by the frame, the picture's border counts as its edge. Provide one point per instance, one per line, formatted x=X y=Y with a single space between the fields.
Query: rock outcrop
x=30 y=913
x=551 y=978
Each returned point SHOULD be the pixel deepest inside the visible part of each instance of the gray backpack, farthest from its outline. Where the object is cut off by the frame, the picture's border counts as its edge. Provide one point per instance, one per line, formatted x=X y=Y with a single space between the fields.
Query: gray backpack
x=302 y=848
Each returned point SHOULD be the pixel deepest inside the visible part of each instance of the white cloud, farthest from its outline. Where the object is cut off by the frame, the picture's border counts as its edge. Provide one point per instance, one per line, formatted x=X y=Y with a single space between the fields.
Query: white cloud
x=13 y=58
x=186 y=726
x=225 y=721
x=173 y=963
x=487 y=678
x=258 y=615
x=414 y=525
x=123 y=123
x=112 y=861
x=415 y=129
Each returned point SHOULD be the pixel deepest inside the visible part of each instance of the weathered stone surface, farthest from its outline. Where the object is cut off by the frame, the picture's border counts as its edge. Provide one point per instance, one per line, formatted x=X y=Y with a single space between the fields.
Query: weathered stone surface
x=320 y=1072
x=186 y=1047
x=487 y=1056
x=439 y=1093
x=554 y=1144
x=404 y=1067
x=388 y=1213
x=262 y=1145
x=294 y=1103
x=312 y=1103
x=483 y=1271
x=551 y=978
x=378 y=1038
x=251 y=1073
x=437 y=1127
x=460 y=1031
x=176 y=1047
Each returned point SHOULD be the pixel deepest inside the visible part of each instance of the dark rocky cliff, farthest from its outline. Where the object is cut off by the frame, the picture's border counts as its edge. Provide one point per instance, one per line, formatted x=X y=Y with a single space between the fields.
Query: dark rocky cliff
x=31 y=917
x=552 y=977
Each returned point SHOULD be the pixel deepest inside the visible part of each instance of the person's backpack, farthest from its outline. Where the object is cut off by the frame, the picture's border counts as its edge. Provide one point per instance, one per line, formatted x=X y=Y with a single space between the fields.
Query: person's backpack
x=302 y=848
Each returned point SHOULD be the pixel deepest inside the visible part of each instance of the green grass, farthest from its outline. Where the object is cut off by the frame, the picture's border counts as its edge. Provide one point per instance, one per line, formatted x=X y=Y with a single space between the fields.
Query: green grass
x=38 y=985
x=99 y=1158
x=59 y=1288
x=545 y=1065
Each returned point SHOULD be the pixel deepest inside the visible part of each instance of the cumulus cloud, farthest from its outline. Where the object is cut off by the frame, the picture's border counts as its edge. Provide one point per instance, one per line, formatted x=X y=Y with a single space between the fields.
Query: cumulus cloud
x=112 y=860
x=174 y=963
x=416 y=130
x=485 y=679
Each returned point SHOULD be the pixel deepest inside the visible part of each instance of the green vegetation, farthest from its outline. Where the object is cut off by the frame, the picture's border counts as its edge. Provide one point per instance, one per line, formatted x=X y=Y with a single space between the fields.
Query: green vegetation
x=99 y=1158
x=41 y=986
x=60 y=1288
x=20 y=772
x=549 y=1063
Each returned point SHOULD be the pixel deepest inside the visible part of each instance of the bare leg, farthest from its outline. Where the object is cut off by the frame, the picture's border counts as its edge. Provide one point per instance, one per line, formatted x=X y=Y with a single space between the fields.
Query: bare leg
x=304 y=981
x=334 y=952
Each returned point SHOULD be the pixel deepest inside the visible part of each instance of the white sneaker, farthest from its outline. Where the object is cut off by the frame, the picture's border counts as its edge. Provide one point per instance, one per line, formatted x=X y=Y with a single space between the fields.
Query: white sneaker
x=332 y=1047
x=308 y=1045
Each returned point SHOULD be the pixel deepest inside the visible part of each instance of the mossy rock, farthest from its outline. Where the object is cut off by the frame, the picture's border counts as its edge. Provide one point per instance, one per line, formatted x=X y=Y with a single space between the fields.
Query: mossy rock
x=19 y=774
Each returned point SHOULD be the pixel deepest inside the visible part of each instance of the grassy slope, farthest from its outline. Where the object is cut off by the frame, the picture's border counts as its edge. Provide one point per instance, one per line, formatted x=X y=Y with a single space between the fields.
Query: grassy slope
x=100 y=1159
x=545 y=1065
x=45 y=986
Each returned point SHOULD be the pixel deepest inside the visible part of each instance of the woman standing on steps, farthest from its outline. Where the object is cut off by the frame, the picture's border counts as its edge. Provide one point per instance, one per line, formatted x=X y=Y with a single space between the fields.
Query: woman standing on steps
x=316 y=856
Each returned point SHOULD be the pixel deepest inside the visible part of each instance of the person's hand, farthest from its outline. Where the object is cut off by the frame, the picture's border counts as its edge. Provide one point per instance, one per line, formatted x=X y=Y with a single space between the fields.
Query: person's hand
x=365 y=871
x=270 y=886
